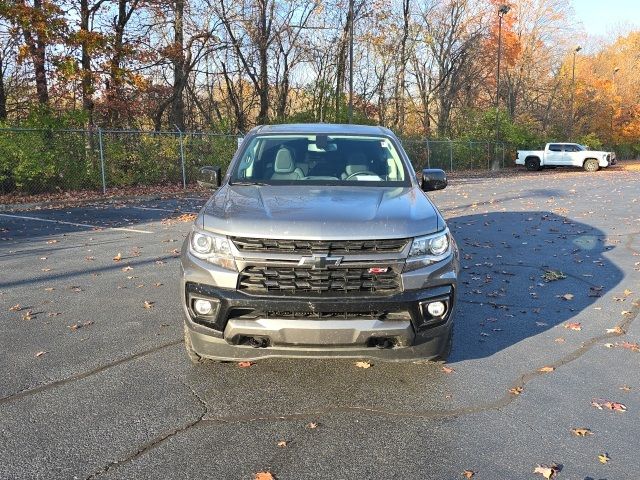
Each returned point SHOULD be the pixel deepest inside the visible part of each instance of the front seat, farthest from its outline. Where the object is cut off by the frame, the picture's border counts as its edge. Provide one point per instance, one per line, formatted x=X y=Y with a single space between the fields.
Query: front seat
x=284 y=167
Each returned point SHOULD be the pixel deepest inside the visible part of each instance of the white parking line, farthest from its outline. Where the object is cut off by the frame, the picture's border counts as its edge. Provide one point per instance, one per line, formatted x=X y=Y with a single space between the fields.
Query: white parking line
x=83 y=225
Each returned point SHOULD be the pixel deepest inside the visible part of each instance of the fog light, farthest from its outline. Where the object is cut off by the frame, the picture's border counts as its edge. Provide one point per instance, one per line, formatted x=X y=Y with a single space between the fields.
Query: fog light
x=436 y=309
x=202 y=307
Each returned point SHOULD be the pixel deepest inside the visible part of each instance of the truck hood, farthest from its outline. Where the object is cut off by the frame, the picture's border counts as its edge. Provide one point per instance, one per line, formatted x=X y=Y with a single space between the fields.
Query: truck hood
x=320 y=213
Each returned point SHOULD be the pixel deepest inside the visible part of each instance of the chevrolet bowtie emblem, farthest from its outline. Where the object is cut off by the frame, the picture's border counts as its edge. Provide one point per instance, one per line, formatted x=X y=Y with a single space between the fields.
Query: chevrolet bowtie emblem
x=319 y=262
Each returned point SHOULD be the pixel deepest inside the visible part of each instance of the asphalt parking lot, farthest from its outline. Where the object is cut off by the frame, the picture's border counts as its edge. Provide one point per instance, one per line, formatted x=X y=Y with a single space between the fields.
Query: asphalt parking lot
x=94 y=382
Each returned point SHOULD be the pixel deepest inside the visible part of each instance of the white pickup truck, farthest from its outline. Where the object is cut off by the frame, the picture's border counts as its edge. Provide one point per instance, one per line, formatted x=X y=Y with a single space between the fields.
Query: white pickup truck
x=565 y=155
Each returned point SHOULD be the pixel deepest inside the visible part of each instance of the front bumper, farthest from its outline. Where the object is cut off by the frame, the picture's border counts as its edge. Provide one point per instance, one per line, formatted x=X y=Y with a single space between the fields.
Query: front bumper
x=390 y=327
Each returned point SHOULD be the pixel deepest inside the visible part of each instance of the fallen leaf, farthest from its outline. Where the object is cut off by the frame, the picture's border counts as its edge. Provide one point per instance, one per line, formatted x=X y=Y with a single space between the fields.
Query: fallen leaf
x=595 y=291
x=39 y=354
x=27 y=315
x=516 y=390
x=627 y=292
x=148 y=304
x=282 y=443
x=577 y=326
x=617 y=329
x=264 y=476
x=127 y=268
x=553 y=275
x=78 y=325
x=547 y=471
x=15 y=308
x=118 y=257
x=245 y=364
x=363 y=365
x=157 y=284
x=625 y=388
x=468 y=473
x=604 y=458
x=567 y=296
x=609 y=405
x=581 y=432
x=312 y=425
x=630 y=346
x=446 y=369
x=546 y=369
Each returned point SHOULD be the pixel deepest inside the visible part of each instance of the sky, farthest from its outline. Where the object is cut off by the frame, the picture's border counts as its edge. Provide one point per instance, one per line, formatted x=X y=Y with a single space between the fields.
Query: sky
x=600 y=17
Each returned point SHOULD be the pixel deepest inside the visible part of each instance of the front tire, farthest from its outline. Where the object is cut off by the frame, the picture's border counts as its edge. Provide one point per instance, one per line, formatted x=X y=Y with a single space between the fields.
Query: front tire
x=191 y=353
x=446 y=351
x=532 y=164
x=591 y=165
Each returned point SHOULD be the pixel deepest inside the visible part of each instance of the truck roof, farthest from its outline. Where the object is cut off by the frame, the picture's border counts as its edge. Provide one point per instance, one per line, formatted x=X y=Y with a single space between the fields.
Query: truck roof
x=322 y=128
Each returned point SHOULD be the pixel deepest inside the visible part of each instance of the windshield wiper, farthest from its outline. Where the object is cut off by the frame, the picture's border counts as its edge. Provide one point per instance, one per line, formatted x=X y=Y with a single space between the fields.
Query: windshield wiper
x=247 y=182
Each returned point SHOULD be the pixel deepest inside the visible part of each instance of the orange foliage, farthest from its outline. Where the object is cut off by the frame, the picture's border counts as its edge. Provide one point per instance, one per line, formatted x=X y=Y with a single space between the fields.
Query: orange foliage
x=607 y=87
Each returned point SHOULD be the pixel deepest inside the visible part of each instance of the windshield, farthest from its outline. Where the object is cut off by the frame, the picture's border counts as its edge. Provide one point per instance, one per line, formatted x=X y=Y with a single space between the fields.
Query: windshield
x=320 y=160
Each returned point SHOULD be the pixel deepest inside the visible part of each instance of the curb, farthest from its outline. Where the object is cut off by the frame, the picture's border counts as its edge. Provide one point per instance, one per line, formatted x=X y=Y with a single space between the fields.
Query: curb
x=52 y=204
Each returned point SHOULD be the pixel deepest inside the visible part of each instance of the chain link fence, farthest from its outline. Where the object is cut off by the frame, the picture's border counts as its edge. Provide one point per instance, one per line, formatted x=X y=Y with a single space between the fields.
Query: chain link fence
x=39 y=161
x=456 y=155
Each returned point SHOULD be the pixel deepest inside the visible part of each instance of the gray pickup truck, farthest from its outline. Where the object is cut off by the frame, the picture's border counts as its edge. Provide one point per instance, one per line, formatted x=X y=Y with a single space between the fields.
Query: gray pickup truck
x=319 y=242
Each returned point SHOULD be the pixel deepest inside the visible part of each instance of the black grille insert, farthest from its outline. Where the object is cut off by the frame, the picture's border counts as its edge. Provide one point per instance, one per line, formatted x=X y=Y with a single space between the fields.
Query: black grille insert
x=297 y=279
x=319 y=246
x=374 y=315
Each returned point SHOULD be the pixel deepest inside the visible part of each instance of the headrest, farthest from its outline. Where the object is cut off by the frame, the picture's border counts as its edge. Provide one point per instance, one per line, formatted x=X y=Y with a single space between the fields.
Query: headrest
x=284 y=161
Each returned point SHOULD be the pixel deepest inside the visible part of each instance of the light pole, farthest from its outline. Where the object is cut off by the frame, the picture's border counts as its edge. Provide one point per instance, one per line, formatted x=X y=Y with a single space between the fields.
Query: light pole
x=502 y=11
x=573 y=90
x=613 y=106
x=350 y=114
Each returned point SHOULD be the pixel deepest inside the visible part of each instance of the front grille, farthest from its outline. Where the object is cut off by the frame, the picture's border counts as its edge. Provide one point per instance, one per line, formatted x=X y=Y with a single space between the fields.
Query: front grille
x=373 y=315
x=319 y=246
x=250 y=314
x=339 y=280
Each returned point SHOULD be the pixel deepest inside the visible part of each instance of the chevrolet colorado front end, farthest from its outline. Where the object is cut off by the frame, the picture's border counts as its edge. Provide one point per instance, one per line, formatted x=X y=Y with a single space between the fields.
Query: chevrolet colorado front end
x=319 y=242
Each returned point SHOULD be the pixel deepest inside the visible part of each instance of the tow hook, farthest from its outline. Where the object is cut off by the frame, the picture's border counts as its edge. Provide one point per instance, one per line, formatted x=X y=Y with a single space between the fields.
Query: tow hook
x=257 y=342
x=383 y=343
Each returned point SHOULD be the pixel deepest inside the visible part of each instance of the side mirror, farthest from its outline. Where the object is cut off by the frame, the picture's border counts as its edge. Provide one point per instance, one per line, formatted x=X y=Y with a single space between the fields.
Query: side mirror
x=210 y=177
x=433 y=179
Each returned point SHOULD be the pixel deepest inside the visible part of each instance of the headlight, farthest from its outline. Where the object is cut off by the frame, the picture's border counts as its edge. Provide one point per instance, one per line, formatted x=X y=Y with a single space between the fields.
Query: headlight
x=428 y=250
x=212 y=248
x=201 y=243
x=431 y=245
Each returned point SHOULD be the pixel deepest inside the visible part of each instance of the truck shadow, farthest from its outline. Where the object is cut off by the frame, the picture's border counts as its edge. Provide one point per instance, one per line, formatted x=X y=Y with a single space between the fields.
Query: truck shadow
x=523 y=273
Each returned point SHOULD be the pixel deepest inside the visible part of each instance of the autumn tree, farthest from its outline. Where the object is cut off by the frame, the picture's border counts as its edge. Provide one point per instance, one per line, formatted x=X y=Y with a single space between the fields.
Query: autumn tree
x=40 y=22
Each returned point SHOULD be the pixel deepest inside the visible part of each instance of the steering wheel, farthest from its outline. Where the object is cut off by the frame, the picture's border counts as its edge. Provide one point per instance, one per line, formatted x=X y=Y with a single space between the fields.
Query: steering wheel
x=361 y=172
